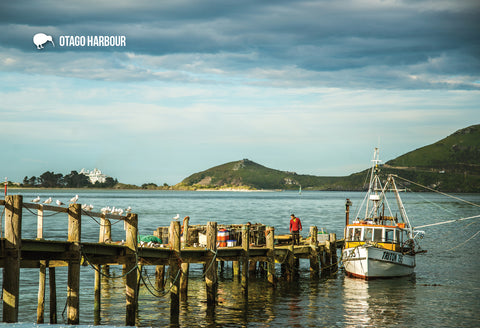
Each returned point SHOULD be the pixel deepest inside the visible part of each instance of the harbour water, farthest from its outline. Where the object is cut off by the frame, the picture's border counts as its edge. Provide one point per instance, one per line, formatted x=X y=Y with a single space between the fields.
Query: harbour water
x=444 y=292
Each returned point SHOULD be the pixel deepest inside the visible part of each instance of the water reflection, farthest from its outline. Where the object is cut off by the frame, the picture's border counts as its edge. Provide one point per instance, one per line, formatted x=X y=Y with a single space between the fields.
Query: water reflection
x=378 y=303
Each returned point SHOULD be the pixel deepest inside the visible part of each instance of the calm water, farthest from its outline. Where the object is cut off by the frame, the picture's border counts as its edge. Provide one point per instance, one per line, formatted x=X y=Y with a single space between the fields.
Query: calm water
x=444 y=292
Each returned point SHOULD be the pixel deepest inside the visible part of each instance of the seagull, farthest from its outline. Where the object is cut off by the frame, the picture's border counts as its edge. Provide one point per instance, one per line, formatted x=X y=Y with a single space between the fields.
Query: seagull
x=128 y=209
x=59 y=203
x=48 y=201
x=74 y=199
x=36 y=200
x=177 y=217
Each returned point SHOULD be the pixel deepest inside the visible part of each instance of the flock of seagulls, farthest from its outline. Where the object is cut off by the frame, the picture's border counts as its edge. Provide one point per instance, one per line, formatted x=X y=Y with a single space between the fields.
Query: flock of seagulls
x=85 y=207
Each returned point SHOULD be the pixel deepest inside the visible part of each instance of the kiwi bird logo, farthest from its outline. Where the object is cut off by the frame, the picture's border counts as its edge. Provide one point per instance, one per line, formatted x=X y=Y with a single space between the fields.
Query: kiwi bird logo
x=41 y=38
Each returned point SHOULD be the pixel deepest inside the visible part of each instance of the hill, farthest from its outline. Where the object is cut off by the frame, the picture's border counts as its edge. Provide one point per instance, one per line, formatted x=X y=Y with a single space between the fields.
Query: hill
x=449 y=165
x=248 y=175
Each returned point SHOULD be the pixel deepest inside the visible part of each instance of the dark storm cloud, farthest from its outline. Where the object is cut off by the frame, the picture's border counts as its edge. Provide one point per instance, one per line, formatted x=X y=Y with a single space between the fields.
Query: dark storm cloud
x=421 y=38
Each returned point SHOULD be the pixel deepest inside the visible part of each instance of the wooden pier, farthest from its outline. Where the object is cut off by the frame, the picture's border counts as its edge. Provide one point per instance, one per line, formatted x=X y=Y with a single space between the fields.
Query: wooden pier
x=182 y=244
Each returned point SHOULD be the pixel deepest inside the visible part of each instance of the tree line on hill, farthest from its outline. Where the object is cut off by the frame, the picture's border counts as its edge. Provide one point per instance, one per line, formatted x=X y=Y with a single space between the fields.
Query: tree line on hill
x=72 y=180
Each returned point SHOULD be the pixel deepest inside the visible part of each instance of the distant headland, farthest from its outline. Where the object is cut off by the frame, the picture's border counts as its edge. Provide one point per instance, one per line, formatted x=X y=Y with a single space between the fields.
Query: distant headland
x=449 y=165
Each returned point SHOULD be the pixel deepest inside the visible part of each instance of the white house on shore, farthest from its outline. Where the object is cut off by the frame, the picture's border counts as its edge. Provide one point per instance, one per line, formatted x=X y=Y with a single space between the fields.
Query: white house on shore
x=94 y=175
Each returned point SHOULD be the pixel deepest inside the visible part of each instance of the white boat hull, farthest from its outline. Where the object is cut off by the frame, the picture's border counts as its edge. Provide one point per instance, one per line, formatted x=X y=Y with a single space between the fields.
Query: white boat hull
x=369 y=262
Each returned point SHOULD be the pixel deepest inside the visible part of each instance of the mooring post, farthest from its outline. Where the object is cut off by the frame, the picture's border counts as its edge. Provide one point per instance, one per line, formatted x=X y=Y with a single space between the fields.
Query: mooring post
x=11 y=271
x=98 y=295
x=131 y=242
x=290 y=263
x=211 y=264
x=314 y=267
x=184 y=266
x=53 y=294
x=333 y=254
x=41 y=292
x=105 y=236
x=159 y=269
x=245 y=257
x=174 y=267
x=40 y=222
x=271 y=255
x=73 y=289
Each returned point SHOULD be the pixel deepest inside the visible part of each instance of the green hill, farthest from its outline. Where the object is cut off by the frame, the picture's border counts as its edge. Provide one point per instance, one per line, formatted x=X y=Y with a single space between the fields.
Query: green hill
x=245 y=174
x=450 y=165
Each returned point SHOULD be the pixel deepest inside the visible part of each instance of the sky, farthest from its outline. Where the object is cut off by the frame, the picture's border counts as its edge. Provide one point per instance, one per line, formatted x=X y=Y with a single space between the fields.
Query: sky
x=304 y=86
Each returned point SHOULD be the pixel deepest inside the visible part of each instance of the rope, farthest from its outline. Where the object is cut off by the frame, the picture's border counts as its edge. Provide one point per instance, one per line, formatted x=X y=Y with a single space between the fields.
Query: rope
x=164 y=293
x=449 y=221
x=437 y=191
x=36 y=214
x=464 y=241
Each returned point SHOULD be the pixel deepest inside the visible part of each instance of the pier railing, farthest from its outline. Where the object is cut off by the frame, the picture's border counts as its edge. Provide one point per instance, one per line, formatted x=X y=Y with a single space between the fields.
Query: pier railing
x=255 y=246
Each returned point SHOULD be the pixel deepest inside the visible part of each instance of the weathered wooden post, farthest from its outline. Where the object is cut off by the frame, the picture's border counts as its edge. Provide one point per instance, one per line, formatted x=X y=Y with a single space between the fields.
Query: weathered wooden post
x=314 y=266
x=290 y=263
x=245 y=257
x=174 y=267
x=159 y=269
x=40 y=222
x=73 y=289
x=211 y=264
x=97 y=295
x=42 y=271
x=11 y=271
x=105 y=236
x=271 y=255
x=131 y=242
x=53 y=295
x=41 y=292
x=333 y=250
x=184 y=266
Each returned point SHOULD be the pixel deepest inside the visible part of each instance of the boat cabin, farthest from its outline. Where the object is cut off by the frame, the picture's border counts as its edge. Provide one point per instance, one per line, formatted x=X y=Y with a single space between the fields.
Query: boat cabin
x=391 y=237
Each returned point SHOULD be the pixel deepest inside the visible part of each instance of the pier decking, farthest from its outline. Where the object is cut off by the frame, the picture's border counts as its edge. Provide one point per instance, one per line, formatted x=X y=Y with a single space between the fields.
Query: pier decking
x=181 y=245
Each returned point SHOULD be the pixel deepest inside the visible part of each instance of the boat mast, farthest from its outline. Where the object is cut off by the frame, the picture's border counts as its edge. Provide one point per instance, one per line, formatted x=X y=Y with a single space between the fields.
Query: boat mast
x=372 y=188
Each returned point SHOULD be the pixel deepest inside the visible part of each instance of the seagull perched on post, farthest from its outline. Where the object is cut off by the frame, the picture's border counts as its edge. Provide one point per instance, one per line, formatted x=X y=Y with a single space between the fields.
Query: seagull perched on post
x=36 y=200
x=177 y=217
x=74 y=199
x=48 y=200
x=59 y=203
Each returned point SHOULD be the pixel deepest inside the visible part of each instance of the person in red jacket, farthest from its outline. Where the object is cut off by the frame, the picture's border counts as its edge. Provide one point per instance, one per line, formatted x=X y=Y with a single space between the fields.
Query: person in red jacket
x=295 y=228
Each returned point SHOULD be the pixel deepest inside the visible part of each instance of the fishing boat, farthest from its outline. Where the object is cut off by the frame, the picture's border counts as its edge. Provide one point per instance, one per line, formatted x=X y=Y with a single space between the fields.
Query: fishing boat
x=379 y=245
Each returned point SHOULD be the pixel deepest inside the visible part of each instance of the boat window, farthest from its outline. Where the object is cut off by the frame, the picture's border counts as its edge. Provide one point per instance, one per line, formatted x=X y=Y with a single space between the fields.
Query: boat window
x=377 y=234
x=398 y=236
x=350 y=234
x=358 y=234
x=389 y=235
x=368 y=234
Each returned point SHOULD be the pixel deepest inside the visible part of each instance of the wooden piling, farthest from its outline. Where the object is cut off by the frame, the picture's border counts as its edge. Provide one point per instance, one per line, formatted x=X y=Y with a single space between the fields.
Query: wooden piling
x=174 y=267
x=333 y=253
x=97 y=307
x=211 y=264
x=41 y=292
x=40 y=222
x=245 y=257
x=131 y=268
x=159 y=269
x=270 y=243
x=314 y=265
x=184 y=266
x=73 y=289
x=53 y=295
x=11 y=271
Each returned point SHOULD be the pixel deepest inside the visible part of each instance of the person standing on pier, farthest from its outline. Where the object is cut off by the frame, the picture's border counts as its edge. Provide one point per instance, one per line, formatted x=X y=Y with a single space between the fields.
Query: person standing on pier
x=295 y=228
